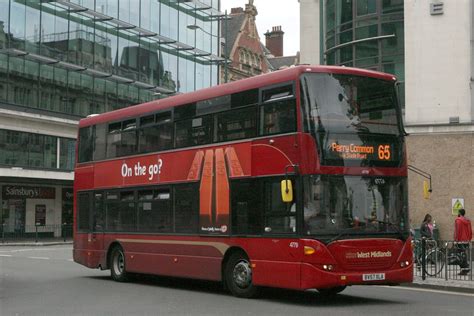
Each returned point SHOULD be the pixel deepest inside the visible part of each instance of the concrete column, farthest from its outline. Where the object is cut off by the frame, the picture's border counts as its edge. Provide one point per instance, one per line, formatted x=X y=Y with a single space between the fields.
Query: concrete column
x=310 y=17
x=438 y=63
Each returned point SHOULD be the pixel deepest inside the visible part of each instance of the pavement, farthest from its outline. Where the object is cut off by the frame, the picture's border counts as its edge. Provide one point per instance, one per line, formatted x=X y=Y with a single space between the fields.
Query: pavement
x=32 y=243
x=464 y=286
x=442 y=284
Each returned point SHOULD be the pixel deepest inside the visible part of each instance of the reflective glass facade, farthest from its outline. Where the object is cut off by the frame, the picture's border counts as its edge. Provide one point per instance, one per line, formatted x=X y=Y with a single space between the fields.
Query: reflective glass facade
x=91 y=56
x=28 y=150
x=63 y=60
x=365 y=34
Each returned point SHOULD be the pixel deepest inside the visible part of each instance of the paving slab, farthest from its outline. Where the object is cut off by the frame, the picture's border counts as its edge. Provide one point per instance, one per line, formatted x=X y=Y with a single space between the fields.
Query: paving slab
x=465 y=286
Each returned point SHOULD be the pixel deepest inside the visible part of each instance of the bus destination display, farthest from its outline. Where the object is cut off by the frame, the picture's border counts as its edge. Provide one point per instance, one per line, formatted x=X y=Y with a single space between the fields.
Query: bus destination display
x=353 y=151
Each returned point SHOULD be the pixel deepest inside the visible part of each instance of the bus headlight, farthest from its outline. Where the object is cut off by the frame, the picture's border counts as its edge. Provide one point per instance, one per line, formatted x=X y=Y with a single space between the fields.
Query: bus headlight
x=328 y=267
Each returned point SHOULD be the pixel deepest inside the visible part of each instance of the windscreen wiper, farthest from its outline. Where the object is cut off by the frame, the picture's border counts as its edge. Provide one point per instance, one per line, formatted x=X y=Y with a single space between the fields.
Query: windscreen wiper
x=346 y=233
x=337 y=237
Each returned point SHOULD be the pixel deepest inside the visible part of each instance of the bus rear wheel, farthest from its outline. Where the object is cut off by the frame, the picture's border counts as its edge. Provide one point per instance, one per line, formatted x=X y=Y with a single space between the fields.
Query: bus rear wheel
x=332 y=291
x=238 y=276
x=117 y=265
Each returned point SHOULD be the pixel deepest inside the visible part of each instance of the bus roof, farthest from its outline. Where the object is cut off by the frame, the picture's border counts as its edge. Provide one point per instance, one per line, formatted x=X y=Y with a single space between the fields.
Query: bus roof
x=287 y=74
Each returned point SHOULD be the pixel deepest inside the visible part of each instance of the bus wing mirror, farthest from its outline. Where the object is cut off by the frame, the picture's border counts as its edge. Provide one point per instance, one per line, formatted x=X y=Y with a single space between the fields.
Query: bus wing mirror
x=286 y=191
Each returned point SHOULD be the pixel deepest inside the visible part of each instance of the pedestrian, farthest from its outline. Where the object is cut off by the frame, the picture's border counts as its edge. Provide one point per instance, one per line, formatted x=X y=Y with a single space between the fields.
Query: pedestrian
x=426 y=228
x=463 y=236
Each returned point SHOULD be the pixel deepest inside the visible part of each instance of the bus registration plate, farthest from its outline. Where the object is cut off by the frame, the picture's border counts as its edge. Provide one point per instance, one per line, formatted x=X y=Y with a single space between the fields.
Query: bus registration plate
x=373 y=277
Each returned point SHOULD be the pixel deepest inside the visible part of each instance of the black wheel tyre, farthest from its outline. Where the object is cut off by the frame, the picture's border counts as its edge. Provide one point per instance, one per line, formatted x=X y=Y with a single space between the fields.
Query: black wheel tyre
x=332 y=291
x=117 y=265
x=238 y=276
x=434 y=262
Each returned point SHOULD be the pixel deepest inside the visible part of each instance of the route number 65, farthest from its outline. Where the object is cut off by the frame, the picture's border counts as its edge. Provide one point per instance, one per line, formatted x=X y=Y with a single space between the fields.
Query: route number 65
x=384 y=152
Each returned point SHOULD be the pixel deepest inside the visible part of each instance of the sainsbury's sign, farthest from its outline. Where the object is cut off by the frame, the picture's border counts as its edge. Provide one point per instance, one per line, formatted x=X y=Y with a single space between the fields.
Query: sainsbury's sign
x=19 y=192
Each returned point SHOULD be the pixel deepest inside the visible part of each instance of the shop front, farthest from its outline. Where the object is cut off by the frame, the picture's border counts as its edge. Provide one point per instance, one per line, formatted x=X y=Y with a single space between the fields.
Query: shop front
x=31 y=210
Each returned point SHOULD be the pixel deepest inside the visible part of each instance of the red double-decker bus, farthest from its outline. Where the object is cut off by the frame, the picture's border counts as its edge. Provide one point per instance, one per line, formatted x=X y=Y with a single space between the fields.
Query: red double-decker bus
x=294 y=179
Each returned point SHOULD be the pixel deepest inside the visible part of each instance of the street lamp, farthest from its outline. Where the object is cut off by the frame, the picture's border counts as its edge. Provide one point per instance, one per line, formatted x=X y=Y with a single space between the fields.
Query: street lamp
x=196 y=27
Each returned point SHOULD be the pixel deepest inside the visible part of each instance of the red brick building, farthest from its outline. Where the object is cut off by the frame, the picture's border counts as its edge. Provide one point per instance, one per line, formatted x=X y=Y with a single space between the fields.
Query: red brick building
x=274 y=41
x=248 y=56
x=274 y=45
x=244 y=49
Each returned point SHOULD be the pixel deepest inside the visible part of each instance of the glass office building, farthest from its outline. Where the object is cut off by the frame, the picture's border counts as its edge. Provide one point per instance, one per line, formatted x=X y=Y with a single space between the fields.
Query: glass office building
x=365 y=34
x=91 y=56
x=63 y=60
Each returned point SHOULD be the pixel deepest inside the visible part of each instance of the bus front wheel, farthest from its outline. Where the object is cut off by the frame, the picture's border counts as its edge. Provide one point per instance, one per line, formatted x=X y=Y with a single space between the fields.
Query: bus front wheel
x=238 y=276
x=117 y=265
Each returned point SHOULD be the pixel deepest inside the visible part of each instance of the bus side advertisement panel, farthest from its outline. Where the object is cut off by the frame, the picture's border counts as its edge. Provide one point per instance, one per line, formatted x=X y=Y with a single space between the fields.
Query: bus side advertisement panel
x=272 y=157
x=84 y=178
x=168 y=167
x=151 y=169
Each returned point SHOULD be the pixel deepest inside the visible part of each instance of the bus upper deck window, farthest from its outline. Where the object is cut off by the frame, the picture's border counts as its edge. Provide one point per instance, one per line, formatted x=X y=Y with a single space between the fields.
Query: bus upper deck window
x=277 y=93
x=85 y=144
x=129 y=125
x=115 y=127
x=278 y=117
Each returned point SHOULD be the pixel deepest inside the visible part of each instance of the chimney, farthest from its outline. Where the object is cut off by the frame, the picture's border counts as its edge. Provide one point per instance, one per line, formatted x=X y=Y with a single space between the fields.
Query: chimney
x=274 y=41
x=236 y=10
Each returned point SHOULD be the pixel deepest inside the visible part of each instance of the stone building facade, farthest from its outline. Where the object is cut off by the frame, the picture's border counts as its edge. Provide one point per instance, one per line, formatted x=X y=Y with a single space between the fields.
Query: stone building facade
x=448 y=157
x=439 y=110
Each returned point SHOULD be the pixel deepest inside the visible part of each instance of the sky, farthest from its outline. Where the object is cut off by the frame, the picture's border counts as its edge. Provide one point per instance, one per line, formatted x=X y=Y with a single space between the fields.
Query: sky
x=273 y=13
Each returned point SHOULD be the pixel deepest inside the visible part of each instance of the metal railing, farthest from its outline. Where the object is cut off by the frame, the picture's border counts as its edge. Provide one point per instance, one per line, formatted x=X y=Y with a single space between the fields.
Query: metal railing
x=449 y=260
x=35 y=232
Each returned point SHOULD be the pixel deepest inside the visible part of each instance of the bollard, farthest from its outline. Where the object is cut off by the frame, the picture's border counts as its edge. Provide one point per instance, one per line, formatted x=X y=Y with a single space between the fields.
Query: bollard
x=423 y=259
x=36 y=232
x=470 y=260
x=64 y=231
x=446 y=261
x=3 y=233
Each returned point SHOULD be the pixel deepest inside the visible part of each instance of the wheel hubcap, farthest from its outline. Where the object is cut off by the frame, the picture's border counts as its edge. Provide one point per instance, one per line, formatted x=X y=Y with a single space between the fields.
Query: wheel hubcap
x=242 y=274
x=119 y=263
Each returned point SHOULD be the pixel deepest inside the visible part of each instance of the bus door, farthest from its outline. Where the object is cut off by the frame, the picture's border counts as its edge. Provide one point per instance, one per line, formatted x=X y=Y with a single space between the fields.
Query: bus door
x=96 y=239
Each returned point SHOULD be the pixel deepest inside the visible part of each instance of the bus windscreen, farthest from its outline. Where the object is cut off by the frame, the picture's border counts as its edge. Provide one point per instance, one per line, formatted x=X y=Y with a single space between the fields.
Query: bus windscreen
x=355 y=120
x=335 y=204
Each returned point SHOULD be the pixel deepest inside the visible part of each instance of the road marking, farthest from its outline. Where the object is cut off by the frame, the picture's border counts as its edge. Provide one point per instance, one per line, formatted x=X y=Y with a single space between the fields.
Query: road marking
x=42 y=258
x=429 y=290
x=32 y=249
x=21 y=250
x=38 y=249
